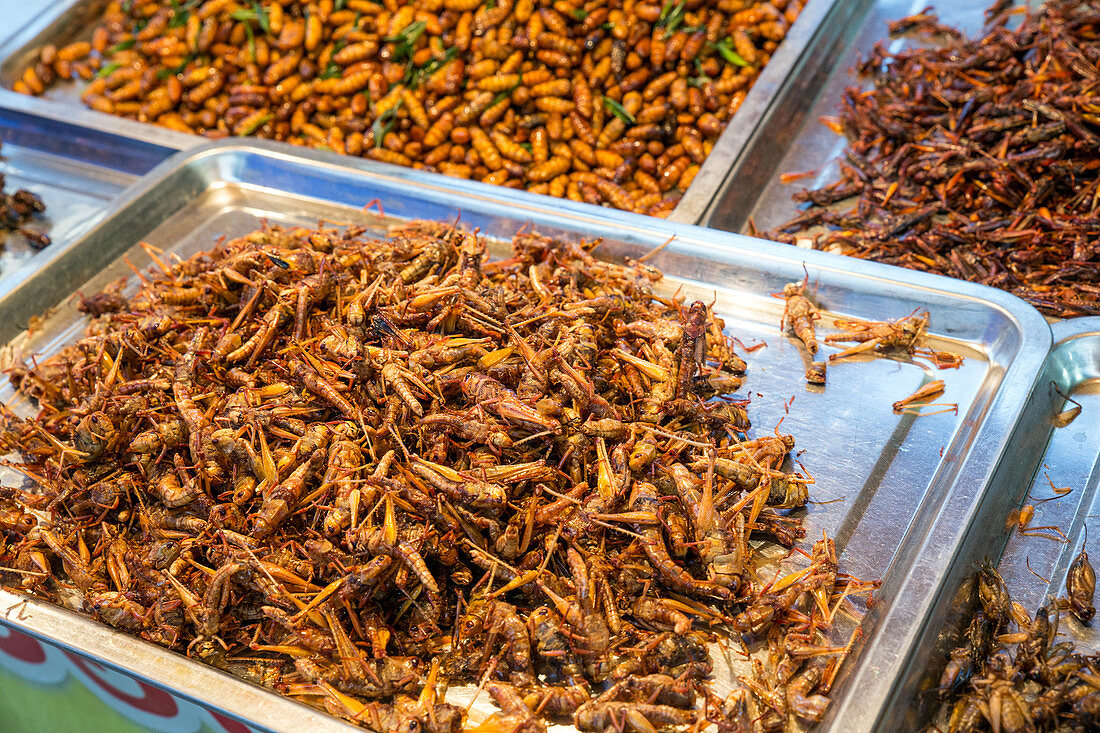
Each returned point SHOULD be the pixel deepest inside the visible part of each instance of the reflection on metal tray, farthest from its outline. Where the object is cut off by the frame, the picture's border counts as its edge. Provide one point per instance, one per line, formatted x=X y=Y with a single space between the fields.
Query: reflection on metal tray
x=1040 y=456
x=779 y=92
x=76 y=172
x=896 y=490
x=17 y=13
x=797 y=144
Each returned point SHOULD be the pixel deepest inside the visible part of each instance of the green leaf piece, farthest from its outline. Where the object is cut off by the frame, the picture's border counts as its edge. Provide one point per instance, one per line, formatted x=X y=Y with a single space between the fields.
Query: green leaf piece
x=725 y=48
x=619 y=111
x=121 y=46
x=107 y=70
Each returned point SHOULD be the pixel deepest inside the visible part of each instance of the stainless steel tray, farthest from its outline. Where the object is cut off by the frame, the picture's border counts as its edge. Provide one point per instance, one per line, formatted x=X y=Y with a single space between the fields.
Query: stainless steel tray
x=17 y=13
x=896 y=491
x=778 y=93
x=797 y=144
x=1039 y=453
x=75 y=171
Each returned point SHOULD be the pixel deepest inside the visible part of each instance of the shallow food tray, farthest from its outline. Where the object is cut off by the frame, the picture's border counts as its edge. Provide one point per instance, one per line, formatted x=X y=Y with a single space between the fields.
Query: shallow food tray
x=75 y=171
x=895 y=491
x=777 y=95
x=1040 y=456
x=803 y=144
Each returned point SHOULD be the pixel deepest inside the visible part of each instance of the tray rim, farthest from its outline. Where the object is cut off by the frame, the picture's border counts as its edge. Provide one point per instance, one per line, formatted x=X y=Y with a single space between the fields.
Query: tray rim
x=1069 y=329
x=1018 y=375
x=693 y=206
x=79 y=634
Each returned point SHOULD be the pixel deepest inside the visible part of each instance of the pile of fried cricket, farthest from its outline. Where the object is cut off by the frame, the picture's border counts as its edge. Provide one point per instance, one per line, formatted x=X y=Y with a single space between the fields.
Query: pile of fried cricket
x=358 y=470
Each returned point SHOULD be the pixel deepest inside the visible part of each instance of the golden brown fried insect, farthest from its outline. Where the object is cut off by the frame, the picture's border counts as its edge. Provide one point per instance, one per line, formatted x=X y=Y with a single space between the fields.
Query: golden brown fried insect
x=598 y=716
x=815 y=372
x=800 y=313
x=1021 y=520
x=397 y=459
x=871 y=335
x=925 y=392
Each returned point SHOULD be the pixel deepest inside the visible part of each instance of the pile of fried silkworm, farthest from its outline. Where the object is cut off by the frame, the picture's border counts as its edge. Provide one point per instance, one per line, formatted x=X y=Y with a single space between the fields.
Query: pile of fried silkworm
x=606 y=102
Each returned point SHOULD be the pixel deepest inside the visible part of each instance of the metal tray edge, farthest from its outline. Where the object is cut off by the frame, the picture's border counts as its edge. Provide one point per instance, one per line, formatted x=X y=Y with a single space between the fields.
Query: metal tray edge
x=940 y=571
x=61 y=137
x=1027 y=319
x=165 y=669
x=92 y=158
x=765 y=96
x=1074 y=328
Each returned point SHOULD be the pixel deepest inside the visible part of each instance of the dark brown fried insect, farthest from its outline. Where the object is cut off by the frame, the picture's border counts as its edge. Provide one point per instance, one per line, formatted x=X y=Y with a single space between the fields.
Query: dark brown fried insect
x=17 y=209
x=1081 y=587
x=1021 y=681
x=36 y=240
x=916 y=187
x=993 y=595
x=815 y=372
